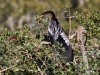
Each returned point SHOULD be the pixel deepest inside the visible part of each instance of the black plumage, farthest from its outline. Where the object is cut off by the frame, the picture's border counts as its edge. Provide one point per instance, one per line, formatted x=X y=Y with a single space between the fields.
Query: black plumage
x=57 y=34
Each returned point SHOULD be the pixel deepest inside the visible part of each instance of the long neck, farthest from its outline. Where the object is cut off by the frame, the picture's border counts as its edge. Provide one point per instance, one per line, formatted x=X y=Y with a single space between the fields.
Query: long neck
x=55 y=19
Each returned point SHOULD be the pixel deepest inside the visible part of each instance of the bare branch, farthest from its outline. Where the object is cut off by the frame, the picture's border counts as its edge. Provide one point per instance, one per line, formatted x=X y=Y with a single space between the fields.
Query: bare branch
x=7 y=69
x=81 y=30
x=72 y=36
x=79 y=33
x=45 y=43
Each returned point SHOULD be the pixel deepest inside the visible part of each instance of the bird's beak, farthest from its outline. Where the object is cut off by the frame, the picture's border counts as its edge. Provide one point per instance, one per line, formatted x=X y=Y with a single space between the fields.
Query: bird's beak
x=39 y=16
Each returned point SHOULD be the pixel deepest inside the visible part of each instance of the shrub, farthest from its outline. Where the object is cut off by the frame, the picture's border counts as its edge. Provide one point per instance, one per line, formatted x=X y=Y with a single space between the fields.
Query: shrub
x=21 y=52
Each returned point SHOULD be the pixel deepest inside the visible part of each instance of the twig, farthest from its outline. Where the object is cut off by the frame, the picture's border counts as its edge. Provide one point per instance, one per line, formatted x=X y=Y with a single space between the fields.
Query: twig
x=42 y=73
x=39 y=69
x=7 y=69
x=45 y=43
x=72 y=36
x=69 y=20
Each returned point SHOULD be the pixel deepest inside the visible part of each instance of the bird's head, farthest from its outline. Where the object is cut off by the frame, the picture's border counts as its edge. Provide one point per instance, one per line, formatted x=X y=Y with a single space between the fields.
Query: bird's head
x=48 y=14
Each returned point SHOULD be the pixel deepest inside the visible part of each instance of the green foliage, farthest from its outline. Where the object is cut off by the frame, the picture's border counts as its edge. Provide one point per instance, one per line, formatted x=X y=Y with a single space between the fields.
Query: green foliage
x=91 y=22
x=16 y=9
x=21 y=52
x=94 y=56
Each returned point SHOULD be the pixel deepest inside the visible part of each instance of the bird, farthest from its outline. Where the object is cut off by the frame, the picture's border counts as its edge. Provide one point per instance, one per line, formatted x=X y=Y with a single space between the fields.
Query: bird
x=57 y=34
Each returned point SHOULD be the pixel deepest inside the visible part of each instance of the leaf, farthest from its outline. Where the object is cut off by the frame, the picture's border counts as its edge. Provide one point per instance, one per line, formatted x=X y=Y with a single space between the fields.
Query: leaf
x=16 y=69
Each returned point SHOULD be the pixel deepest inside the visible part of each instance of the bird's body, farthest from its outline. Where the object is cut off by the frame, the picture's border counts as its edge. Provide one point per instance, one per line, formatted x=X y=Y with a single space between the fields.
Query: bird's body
x=57 y=34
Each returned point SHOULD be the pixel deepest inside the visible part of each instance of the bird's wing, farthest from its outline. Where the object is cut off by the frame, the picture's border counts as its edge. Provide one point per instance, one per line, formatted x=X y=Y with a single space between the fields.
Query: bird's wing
x=65 y=38
x=54 y=30
x=58 y=30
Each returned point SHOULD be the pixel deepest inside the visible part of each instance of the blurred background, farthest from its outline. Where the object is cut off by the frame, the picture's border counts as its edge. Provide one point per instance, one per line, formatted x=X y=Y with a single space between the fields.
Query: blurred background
x=20 y=12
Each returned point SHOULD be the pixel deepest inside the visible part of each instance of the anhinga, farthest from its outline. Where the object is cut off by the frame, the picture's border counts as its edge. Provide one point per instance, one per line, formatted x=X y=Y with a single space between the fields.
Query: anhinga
x=57 y=34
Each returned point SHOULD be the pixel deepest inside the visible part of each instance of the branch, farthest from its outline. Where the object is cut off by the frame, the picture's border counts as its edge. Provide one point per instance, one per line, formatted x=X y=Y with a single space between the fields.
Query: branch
x=81 y=30
x=72 y=36
x=80 y=41
x=39 y=69
x=45 y=43
x=7 y=69
x=42 y=73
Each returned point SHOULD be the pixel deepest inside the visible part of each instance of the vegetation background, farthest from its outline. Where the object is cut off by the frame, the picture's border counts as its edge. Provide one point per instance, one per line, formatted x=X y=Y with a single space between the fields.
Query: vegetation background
x=19 y=51
x=19 y=12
